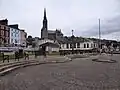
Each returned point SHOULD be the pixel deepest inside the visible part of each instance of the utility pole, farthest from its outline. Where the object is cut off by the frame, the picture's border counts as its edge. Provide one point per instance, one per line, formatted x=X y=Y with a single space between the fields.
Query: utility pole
x=99 y=37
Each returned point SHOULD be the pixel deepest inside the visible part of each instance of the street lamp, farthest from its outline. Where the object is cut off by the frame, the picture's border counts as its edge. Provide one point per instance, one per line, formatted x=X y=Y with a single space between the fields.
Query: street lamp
x=72 y=32
x=72 y=42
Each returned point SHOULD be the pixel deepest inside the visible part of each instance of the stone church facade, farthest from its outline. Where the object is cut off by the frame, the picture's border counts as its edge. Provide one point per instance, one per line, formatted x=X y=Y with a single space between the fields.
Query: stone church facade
x=49 y=34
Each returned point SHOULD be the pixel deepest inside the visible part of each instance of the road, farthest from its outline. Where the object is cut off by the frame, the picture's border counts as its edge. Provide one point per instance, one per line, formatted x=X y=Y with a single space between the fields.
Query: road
x=79 y=74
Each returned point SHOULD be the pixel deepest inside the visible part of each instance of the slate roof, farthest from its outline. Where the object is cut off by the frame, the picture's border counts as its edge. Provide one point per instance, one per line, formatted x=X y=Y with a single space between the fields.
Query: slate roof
x=75 y=40
x=51 y=31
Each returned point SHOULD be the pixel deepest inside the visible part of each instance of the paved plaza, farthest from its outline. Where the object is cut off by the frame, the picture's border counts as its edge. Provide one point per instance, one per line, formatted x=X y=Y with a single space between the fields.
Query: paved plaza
x=79 y=74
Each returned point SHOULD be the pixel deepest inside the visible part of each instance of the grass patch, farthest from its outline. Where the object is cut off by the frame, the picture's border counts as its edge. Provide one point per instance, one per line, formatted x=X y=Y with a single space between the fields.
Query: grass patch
x=10 y=57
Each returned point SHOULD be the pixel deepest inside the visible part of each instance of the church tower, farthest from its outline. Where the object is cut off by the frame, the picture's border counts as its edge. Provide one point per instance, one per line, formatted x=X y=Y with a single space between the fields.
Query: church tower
x=44 y=30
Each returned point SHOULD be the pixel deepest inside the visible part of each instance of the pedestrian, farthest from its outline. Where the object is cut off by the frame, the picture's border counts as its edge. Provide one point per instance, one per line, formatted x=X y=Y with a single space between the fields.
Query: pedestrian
x=35 y=54
x=26 y=55
x=44 y=51
x=111 y=50
x=16 y=55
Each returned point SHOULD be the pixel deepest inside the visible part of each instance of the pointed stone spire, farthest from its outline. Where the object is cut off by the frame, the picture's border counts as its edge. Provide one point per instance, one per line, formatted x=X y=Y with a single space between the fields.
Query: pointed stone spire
x=45 y=14
x=44 y=31
x=45 y=19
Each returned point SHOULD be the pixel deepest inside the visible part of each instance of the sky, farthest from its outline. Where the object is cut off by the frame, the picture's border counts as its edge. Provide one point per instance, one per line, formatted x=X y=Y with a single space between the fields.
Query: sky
x=78 y=15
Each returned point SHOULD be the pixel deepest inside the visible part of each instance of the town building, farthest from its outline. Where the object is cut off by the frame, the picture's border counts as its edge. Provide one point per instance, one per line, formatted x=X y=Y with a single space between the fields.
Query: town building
x=78 y=46
x=15 y=35
x=4 y=33
x=23 y=37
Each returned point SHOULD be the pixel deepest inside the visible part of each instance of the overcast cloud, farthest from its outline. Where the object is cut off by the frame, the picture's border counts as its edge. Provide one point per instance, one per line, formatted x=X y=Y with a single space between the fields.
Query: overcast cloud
x=79 y=15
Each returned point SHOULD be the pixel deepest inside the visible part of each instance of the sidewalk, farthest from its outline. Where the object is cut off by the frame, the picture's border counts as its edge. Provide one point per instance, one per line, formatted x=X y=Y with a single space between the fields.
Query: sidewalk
x=39 y=58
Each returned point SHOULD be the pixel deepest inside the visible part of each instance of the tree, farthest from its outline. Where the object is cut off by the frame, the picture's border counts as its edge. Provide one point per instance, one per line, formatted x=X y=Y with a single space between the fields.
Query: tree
x=34 y=45
x=29 y=36
x=29 y=40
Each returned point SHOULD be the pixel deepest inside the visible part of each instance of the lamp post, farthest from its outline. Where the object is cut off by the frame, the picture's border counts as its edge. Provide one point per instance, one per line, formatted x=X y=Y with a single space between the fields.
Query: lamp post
x=99 y=38
x=72 y=42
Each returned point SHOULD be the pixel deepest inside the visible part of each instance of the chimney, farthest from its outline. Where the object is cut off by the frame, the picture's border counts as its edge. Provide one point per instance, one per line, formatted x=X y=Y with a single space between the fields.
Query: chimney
x=4 y=22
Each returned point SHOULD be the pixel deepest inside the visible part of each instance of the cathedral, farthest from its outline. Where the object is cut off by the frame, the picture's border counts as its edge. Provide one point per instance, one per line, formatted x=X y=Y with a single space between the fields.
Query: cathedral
x=49 y=34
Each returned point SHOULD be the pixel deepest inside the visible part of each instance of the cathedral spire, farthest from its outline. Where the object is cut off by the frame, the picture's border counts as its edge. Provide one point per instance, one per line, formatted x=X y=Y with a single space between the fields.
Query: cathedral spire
x=45 y=19
x=44 y=32
x=45 y=14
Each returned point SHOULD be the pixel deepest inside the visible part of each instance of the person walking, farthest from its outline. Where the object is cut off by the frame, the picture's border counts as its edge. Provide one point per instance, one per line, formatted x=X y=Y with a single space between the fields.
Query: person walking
x=26 y=55
x=35 y=54
x=16 y=55
x=44 y=51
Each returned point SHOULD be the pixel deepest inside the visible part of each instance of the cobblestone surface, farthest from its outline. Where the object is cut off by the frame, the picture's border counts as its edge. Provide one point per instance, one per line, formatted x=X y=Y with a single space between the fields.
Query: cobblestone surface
x=80 y=74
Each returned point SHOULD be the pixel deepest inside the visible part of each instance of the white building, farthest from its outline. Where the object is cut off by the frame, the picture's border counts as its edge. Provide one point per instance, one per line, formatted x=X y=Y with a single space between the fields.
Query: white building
x=49 y=48
x=14 y=36
x=89 y=45
x=39 y=42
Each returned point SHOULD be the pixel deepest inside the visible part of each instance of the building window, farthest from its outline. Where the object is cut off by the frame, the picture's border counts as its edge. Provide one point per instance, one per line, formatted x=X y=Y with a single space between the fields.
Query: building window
x=94 y=45
x=62 y=45
x=67 y=45
x=78 y=45
x=6 y=41
x=11 y=40
x=16 y=41
x=2 y=32
x=74 y=45
x=84 y=45
x=25 y=35
x=91 y=45
x=11 y=34
x=6 y=28
x=15 y=34
x=87 y=45
x=2 y=27
x=6 y=33
x=70 y=45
